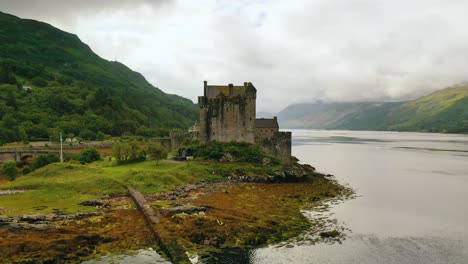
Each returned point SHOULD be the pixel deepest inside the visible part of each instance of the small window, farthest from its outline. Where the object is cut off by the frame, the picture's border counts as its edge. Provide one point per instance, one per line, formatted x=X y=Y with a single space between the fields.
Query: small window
x=243 y=124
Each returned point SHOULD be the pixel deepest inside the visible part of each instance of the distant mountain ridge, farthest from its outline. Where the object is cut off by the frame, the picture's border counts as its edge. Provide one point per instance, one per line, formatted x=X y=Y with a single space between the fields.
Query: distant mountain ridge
x=50 y=81
x=445 y=110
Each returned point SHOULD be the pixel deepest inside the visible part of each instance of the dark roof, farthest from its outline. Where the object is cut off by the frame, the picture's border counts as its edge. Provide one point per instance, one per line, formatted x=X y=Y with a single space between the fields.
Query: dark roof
x=266 y=123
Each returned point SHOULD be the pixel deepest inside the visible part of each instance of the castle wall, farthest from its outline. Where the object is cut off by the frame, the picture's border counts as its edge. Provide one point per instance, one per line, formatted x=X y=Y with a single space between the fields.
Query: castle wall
x=174 y=141
x=264 y=133
x=279 y=146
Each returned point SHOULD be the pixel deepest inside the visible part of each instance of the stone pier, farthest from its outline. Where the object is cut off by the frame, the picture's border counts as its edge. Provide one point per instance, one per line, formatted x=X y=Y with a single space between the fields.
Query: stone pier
x=152 y=218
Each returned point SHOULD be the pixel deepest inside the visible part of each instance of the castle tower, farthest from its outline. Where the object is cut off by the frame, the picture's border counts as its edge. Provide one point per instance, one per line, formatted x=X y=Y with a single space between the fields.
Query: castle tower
x=227 y=113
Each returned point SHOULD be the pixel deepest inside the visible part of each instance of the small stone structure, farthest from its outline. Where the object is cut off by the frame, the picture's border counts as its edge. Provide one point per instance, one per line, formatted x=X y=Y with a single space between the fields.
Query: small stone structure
x=228 y=113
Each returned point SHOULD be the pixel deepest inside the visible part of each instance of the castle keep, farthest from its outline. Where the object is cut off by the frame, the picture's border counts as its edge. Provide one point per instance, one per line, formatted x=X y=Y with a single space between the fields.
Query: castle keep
x=228 y=113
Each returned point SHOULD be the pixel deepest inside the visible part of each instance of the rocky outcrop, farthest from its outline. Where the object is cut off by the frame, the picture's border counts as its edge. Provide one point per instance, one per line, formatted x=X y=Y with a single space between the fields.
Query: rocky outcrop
x=96 y=203
x=10 y=192
x=39 y=222
x=294 y=172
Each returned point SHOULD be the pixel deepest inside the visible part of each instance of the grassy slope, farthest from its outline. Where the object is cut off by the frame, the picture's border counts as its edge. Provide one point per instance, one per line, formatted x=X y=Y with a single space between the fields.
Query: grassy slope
x=82 y=82
x=442 y=111
x=63 y=186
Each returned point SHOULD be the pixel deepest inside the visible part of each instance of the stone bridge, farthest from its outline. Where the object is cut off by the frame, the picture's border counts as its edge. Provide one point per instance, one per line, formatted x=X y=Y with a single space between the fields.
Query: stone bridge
x=22 y=154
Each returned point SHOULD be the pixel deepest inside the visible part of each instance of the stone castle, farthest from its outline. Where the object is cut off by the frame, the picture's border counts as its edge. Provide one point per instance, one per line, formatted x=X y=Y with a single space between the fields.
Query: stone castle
x=228 y=113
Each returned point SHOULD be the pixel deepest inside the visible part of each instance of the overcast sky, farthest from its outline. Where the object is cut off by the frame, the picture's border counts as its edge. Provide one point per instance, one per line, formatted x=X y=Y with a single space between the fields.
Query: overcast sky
x=292 y=51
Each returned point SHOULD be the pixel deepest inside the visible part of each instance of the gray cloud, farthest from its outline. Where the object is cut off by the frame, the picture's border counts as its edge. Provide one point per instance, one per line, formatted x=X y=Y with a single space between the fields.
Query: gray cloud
x=292 y=51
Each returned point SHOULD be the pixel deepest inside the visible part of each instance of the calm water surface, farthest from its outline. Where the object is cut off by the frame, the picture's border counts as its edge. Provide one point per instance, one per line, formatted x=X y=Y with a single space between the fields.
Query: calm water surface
x=413 y=197
x=412 y=205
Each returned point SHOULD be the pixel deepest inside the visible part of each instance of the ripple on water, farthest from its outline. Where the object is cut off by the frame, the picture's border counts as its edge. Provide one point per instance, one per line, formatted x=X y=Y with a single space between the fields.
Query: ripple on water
x=367 y=249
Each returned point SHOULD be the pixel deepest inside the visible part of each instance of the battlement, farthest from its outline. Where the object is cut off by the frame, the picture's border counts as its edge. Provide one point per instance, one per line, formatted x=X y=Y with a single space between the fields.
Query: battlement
x=179 y=134
x=214 y=91
x=283 y=135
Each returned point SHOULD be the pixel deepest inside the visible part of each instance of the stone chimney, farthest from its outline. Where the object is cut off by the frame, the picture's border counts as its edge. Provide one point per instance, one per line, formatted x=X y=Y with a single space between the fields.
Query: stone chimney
x=231 y=89
x=205 y=84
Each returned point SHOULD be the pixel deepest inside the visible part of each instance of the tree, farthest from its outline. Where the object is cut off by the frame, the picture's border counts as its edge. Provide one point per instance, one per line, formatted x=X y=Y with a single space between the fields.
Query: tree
x=88 y=156
x=10 y=170
x=118 y=152
x=38 y=81
x=101 y=136
x=54 y=134
x=87 y=134
x=156 y=152
x=134 y=150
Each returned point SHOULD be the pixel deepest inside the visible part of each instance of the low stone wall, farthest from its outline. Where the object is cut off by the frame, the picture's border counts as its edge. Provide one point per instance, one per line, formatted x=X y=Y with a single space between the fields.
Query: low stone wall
x=166 y=143
x=152 y=218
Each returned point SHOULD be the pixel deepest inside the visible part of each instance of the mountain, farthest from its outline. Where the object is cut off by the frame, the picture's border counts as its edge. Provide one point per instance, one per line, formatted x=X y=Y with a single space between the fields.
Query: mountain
x=445 y=110
x=50 y=81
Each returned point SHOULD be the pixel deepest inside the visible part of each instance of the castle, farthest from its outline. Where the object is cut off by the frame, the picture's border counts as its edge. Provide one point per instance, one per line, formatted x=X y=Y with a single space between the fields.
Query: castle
x=228 y=113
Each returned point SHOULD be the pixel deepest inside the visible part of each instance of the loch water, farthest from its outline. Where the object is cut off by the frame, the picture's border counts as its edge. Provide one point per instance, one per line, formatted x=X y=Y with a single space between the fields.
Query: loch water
x=412 y=204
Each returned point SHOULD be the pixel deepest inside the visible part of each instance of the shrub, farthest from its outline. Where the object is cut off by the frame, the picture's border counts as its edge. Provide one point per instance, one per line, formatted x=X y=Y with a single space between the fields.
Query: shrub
x=239 y=151
x=44 y=160
x=10 y=170
x=128 y=152
x=88 y=156
x=101 y=136
x=26 y=169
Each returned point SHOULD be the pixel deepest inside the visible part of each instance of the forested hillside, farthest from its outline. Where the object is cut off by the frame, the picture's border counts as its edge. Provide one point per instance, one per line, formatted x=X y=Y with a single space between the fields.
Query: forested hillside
x=51 y=82
x=445 y=110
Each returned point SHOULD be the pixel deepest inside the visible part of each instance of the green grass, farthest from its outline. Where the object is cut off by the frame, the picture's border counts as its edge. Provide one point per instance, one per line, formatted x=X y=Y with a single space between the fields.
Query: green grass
x=64 y=186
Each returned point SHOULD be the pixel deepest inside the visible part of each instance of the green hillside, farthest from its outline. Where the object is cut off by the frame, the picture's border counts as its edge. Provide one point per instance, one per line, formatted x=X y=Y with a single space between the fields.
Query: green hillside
x=50 y=81
x=442 y=111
